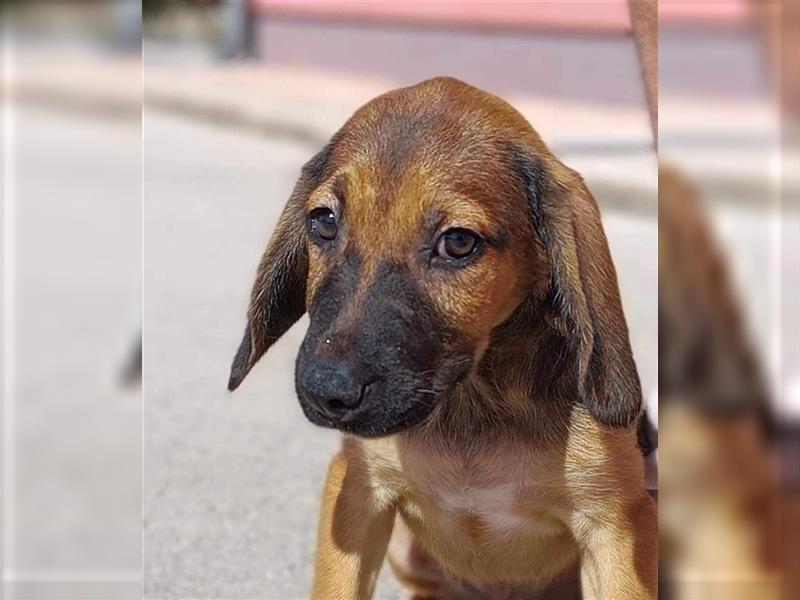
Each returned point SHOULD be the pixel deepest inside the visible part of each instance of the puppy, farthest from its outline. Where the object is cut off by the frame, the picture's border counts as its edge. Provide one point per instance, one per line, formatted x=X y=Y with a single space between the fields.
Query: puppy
x=721 y=512
x=467 y=336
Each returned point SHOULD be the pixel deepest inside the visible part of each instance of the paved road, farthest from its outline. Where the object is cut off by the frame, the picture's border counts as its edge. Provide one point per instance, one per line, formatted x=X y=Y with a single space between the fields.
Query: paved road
x=232 y=481
x=72 y=445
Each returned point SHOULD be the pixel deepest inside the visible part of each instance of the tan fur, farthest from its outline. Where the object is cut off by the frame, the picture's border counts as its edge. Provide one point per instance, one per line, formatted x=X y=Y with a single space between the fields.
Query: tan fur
x=496 y=493
x=721 y=509
x=580 y=500
x=512 y=487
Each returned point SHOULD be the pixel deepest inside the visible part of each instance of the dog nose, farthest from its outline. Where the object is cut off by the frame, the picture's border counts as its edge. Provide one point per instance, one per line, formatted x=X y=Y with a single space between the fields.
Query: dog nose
x=332 y=387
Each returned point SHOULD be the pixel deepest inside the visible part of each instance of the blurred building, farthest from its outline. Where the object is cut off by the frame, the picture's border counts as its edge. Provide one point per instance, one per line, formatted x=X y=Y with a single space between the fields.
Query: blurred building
x=558 y=44
x=484 y=43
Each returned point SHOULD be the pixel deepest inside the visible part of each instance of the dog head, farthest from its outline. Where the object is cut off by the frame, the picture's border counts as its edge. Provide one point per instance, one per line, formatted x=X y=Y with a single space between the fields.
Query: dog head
x=433 y=215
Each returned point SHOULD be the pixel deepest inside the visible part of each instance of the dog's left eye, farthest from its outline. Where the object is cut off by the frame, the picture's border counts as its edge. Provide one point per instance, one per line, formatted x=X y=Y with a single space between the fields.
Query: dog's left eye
x=322 y=223
x=457 y=244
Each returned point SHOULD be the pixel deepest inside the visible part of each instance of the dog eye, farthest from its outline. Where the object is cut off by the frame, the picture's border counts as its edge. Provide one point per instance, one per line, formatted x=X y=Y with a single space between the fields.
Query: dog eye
x=322 y=223
x=457 y=244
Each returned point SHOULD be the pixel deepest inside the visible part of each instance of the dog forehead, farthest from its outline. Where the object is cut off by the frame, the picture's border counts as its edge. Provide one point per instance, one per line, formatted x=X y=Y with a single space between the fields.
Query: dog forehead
x=393 y=216
x=425 y=155
x=438 y=122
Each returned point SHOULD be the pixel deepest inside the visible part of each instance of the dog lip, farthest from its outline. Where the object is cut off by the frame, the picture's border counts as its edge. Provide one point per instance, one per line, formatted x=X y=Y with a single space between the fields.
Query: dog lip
x=320 y=417
x=356 y=422
x=411 y=417
x=314 y=414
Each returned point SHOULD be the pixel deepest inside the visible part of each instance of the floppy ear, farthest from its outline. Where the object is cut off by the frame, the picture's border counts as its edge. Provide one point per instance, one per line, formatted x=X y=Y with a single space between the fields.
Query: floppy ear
x=584 y=287
x=278 y=298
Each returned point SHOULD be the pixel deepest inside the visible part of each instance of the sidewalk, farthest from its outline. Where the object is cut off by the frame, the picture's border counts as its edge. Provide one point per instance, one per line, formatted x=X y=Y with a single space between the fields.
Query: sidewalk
x=610 y=147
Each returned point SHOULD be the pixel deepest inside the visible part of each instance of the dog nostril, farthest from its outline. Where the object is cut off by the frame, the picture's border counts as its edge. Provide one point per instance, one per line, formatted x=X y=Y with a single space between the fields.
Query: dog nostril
x=337 y=406
x=343 y=404
x=365 y=389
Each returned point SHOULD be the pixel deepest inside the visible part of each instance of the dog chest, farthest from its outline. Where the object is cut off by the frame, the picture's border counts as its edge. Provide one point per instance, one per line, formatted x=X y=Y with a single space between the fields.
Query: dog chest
x=497 y=492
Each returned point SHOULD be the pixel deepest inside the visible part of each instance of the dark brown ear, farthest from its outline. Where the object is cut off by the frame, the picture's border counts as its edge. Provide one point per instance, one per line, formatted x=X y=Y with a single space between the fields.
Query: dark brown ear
x=584 y=287
x=278 y=298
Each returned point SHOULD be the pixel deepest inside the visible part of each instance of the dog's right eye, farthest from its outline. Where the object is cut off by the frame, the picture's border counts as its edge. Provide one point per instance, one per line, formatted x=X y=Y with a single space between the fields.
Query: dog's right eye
x=322 y=224
x=456 y=245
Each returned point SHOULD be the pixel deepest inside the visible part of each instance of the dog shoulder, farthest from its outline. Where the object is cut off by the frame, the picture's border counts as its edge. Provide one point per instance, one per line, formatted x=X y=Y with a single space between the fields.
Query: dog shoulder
x=603 y=466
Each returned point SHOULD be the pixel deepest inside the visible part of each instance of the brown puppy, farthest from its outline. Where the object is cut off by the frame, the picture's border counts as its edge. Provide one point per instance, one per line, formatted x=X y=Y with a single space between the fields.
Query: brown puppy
x=466 y=333
x=721 y=508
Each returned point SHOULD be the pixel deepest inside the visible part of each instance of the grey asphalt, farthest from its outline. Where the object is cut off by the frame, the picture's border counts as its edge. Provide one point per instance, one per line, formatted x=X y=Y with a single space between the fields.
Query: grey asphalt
x=232 y=481
x=72 y=434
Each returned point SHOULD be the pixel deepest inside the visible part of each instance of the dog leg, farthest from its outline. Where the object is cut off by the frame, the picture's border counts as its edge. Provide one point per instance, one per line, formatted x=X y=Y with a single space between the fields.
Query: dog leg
x=354 y=531
x=420 y=574
x=619 y=551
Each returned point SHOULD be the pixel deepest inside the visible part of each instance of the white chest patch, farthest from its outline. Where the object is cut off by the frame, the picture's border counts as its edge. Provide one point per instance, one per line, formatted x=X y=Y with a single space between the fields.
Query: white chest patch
x=495 y=491
x=494 y=505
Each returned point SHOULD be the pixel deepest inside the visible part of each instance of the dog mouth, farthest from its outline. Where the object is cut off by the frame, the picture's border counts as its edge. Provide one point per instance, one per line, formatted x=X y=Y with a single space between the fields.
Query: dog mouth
x=373 y=420
x=390 y=408
x=370 y=422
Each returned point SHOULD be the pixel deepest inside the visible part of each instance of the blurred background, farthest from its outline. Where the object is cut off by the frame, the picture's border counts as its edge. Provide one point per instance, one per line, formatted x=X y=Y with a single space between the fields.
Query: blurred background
x=729 y=283
x=148 y=150
x=71 y=303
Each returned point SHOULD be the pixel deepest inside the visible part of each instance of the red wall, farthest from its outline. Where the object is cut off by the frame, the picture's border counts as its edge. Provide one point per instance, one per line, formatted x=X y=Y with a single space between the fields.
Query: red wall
x=590 y=16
